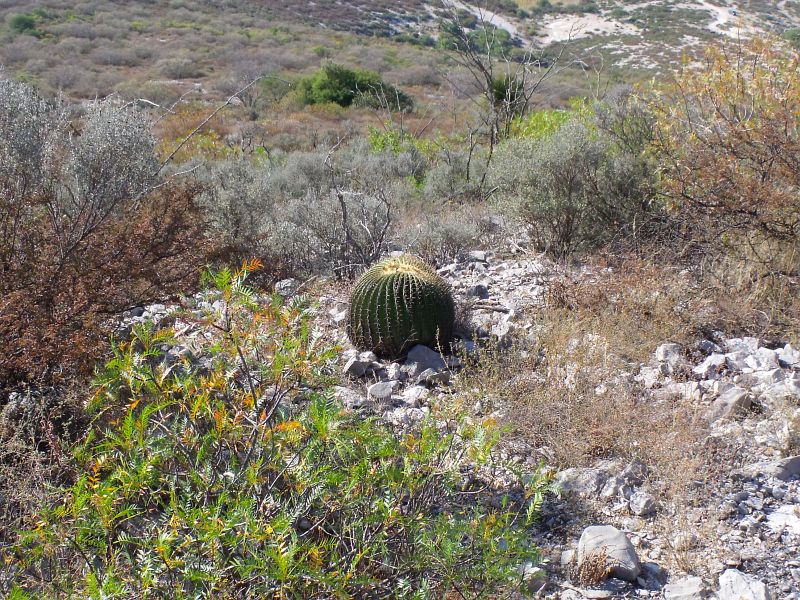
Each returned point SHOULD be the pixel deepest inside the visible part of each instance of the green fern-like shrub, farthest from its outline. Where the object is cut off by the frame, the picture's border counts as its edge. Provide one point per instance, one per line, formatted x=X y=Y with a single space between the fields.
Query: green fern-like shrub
x=249 y=480
x=400 y=302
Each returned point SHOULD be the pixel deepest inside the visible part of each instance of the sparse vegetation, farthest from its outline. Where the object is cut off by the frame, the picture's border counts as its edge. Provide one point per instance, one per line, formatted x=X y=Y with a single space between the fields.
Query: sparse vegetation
x=217 y=450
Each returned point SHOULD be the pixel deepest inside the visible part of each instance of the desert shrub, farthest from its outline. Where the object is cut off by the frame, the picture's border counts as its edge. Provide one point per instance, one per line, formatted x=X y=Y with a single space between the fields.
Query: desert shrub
x=442 y=239
x=180 y=68
x=37 y=427
x=540 y=123
x=455 y=175
x=574 y=189
x=343 y=86
x=508 y=94
x=728 y=141
x=464 y=31
x=422 y=75
x=24 y=23
x=311 y=212
x=728 y=138
x=250 y=481
x=117 y=57
x=162 y=94
x=792 y=36
x=85 y=230
x=243 y=207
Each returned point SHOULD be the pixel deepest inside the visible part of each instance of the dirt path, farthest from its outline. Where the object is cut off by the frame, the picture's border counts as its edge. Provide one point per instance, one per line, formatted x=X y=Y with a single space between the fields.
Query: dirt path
x=570 y=27
x=490 y=17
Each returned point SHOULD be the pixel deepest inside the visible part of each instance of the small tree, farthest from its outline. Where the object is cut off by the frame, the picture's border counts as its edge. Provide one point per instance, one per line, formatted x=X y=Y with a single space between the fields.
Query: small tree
x=24 y=23
x=505 y=87
x=344 y=86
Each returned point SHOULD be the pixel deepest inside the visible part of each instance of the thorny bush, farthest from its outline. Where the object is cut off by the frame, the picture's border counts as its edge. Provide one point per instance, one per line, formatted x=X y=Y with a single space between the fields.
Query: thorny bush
x=728 y=143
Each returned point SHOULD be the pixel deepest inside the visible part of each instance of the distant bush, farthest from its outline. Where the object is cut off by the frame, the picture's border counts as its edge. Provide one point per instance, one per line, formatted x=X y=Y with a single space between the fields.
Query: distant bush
x=343 y=86
x=250 y=481
x=792 y=36
x=455 y=175
x=309 y=212
x=415 y=38
x=419 y=75
x=464 y=31
x=540 y=123
x=180 y=68
x=24 y=23
x=448 y=235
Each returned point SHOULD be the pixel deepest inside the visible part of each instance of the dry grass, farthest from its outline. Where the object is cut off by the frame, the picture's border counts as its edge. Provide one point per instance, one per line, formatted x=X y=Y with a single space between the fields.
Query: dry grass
x=595 y=568
x=573 y=397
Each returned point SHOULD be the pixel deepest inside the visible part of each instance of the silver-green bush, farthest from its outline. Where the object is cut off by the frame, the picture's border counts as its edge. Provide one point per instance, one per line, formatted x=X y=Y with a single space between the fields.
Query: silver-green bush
x=572 y=190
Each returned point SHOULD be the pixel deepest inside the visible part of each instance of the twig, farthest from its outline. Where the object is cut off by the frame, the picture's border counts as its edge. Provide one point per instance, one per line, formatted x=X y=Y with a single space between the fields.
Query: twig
x=207 y=119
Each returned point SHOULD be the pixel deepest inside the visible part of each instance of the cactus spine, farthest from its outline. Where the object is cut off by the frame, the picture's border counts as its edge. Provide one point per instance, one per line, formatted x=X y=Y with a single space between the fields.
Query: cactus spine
x=397 y=303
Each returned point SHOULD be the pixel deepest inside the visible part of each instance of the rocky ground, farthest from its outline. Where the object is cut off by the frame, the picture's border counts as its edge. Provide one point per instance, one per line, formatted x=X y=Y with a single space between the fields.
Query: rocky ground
x=735 y=536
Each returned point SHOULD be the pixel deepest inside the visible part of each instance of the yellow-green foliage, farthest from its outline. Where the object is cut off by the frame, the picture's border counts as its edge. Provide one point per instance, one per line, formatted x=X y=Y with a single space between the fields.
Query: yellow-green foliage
x=542 y=123
x=248 y=481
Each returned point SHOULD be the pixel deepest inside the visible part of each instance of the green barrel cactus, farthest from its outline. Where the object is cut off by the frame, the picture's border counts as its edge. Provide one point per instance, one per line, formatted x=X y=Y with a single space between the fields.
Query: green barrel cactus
x=400 y=302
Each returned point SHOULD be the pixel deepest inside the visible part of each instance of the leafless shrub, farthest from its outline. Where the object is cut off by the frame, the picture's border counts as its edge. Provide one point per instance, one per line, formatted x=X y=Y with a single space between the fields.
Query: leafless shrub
x=311 y=211
x=116 y=57
x=442 y=238
x=595 y=568
x=418 y=75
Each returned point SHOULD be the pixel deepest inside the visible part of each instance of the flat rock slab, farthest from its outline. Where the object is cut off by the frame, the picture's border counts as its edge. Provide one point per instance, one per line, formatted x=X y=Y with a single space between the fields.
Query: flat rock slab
x=581 y=481
x=620 y=554
x=784 y=469
x=735 y=585
x=382 y=390
x=421 y=358
x=786 y=518
x=731 y=403
x=689 y=588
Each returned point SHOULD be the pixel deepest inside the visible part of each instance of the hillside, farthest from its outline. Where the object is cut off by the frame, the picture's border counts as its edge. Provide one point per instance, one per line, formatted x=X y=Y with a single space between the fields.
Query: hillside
x=101 y=47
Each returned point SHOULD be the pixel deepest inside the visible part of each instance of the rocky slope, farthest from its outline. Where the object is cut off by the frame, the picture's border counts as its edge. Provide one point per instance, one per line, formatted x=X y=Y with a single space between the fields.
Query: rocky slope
x=612 y=533
x=646 y=35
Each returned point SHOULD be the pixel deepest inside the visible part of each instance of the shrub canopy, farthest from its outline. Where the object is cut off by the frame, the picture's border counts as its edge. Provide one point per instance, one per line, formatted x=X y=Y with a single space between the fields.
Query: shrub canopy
x=343 y=86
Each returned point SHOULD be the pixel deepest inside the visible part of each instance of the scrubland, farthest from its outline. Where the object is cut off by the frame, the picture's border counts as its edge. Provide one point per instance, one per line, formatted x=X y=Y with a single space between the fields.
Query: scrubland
x=151 y=151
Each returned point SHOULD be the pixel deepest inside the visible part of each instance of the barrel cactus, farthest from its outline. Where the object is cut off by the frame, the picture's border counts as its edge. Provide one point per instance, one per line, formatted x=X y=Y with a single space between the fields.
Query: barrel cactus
x=397 y=303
